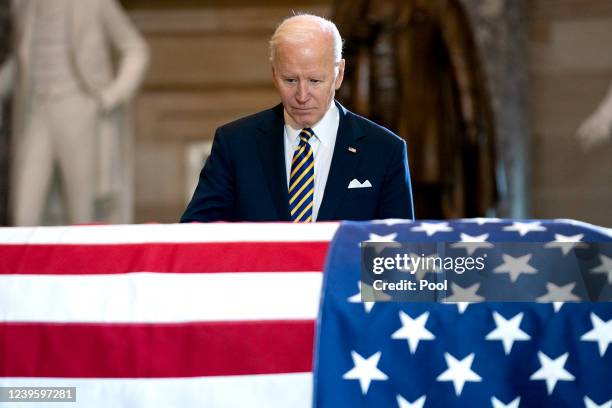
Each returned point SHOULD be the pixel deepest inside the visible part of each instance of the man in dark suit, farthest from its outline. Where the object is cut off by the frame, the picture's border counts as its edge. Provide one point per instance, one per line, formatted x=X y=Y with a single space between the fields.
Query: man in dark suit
x=307 y=159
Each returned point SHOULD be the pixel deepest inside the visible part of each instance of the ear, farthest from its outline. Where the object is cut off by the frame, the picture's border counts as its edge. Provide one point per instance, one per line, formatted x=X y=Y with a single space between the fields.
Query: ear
x=340 y=75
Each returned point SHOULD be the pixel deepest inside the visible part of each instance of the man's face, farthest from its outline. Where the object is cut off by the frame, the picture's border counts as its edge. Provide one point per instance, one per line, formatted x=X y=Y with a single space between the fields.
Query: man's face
x=306 y=78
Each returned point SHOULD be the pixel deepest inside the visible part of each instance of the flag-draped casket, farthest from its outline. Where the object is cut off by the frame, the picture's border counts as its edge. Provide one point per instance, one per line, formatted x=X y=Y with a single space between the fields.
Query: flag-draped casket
x=226 y=315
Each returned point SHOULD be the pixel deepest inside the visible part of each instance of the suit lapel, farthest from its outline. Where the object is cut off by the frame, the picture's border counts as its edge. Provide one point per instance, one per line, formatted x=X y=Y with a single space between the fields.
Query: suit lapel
x=342 y=167
x=271 y=149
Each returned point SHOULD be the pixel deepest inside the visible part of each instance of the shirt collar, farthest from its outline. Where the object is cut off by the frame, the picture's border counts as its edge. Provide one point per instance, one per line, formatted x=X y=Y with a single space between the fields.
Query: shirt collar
x=324 y=130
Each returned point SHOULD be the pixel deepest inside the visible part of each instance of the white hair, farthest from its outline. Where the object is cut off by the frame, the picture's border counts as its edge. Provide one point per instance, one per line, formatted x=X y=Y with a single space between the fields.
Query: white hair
x=303 y=28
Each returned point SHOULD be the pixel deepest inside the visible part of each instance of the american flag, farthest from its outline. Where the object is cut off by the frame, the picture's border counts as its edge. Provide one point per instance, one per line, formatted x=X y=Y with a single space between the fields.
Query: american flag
x=465 y=354
x=200 y=315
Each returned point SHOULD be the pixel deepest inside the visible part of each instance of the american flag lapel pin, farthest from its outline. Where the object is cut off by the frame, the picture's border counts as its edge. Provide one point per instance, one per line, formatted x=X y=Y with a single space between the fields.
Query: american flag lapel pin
x=352 y=149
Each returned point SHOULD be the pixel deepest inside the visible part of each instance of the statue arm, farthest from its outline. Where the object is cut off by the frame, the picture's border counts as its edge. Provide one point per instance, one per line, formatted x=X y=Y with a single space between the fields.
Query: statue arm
x=598 y=126
x=133 y=55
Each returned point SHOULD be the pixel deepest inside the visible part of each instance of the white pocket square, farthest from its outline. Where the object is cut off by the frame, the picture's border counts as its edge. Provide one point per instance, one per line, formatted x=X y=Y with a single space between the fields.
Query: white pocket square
x=356 y=184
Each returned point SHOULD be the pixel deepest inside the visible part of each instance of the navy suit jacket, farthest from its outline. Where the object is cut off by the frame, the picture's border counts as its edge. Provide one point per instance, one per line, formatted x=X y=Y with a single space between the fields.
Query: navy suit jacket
x=245 y=179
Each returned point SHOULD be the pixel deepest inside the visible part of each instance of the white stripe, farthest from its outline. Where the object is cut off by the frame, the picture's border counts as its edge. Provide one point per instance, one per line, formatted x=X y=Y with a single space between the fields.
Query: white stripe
x=266 y=391
x=160 y=297
x=145 y=233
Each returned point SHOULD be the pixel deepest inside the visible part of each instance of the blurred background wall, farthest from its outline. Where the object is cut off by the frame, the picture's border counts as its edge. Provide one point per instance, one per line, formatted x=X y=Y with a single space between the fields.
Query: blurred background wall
x=570 y=70
x=4 y=117
x=549 y=63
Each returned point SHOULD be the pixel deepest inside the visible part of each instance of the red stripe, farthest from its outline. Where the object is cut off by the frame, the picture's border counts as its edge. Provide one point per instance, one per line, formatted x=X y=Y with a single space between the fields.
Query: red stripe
x=155 y=350
x=168 y=257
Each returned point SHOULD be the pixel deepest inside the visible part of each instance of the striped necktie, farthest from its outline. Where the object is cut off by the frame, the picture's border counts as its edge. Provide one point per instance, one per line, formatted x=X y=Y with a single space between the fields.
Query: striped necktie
x=301 y=180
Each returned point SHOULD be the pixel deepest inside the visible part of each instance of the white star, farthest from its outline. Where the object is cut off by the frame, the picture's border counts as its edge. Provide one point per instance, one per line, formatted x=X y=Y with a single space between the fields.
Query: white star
x=392 y=221
x=565 y=242
x=508 y=331
x=403 y=403
x=462 y=306
x=413 y=330
x=356 y=298
x=601 y=333
x=382 y=238
x=515 y=266
x=524 y=227
x=386 y=241
x=558 y=294
x=472 y=243
x=481 y=221
x=463 y=296
x=365 y=370
x=588 y=403
x=552 y=371
x=431 y=228
x=512 y=404
x=605 y=267
x=459 y=372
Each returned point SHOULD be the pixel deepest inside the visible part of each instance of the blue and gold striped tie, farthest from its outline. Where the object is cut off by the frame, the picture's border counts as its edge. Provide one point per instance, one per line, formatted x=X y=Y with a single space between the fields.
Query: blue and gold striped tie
x=301 y=180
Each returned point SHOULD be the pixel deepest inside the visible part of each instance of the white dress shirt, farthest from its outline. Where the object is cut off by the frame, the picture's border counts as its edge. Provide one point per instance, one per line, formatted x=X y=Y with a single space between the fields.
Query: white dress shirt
x=322 y=144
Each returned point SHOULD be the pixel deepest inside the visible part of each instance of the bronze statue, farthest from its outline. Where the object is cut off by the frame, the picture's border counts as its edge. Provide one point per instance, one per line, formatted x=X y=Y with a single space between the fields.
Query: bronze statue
x=415 y=69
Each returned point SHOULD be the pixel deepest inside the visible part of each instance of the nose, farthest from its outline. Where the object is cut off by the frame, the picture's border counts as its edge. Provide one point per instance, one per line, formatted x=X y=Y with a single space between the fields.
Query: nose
x=302 y=94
